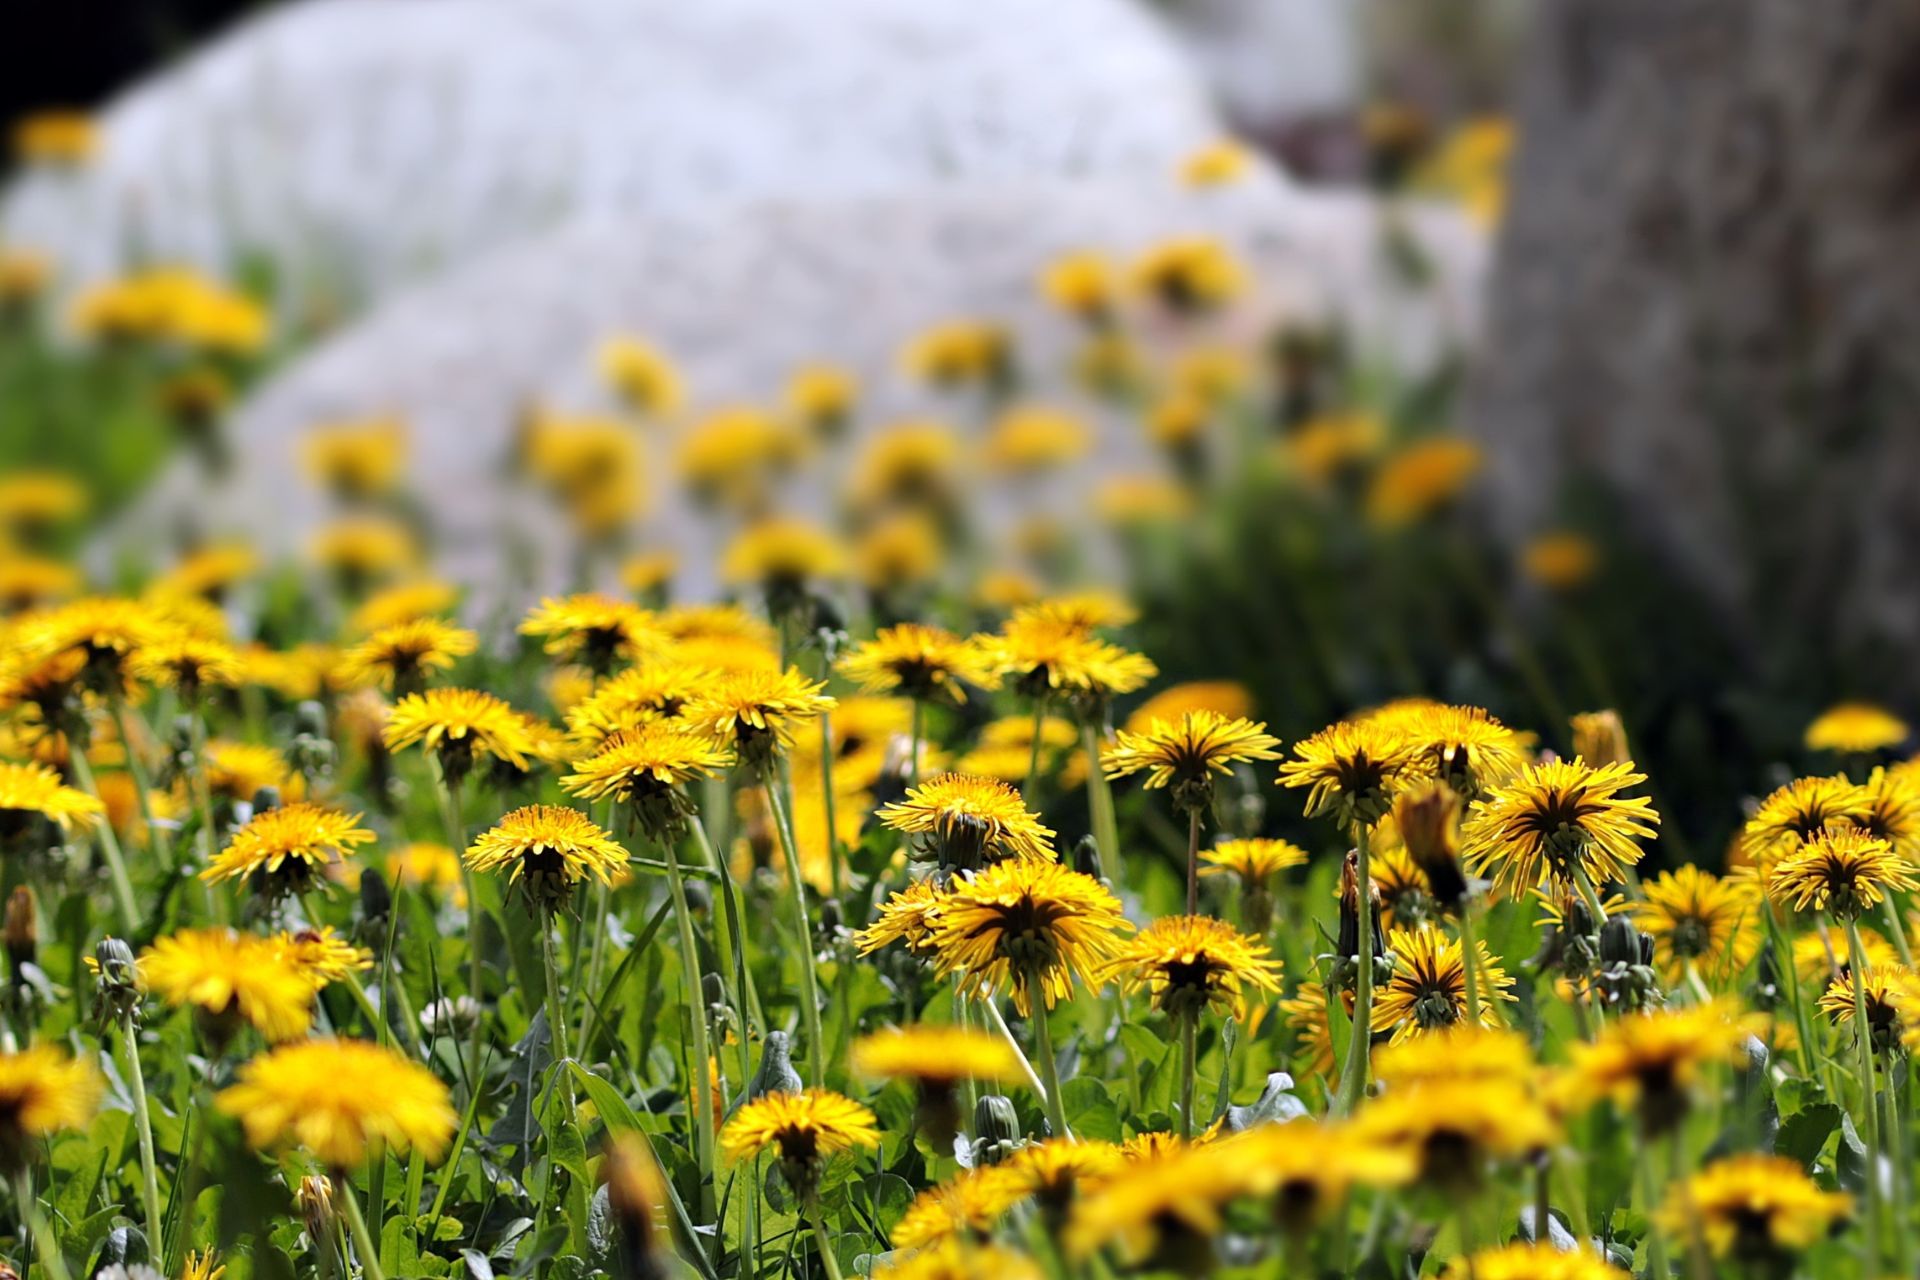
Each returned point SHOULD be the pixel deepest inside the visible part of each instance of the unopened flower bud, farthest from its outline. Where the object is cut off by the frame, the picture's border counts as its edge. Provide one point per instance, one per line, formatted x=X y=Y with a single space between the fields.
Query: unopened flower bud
x=314 y=1197
x=635 y=1192
x=21 y=930
x=1429 y=822
x=1600 y=739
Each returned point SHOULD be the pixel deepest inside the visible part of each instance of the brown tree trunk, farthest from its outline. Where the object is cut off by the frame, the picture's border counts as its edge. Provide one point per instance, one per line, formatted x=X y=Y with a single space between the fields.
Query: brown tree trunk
x=1707 y=313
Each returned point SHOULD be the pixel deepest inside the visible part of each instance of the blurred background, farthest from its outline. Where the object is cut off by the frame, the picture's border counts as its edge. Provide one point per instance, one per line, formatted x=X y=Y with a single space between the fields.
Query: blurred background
x=1548 y=356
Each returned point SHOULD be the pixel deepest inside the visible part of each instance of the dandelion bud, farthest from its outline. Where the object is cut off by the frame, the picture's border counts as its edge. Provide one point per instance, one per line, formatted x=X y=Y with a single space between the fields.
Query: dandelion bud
x=376 y=899
x=996 y=1129
x=266 y=799
x=453 y=1018
x=21 y=931
x=1626 y=977
x=635 y=1193
x=1429 y=822
x=118 y=990
x=1600 y=739
x=699 y=897
x=314 y=1196
x=1349 y=940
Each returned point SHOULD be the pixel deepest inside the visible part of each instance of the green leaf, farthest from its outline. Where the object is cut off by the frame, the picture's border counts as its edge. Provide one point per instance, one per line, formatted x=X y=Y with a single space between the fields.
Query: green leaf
x=399 y=1256
x=1090 y=1109
x=617 y=1115
x=1803 y=1134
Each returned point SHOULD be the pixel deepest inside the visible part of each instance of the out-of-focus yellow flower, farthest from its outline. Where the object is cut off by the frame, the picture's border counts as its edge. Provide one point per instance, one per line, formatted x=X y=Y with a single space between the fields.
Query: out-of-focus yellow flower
x=594 y=629
x=822 y=397
x=1754 y=1206
x=733 y=457
x=356 y=460
x=405 y=602
x=365 y=549
x=1560 y=561
x=1109 y=364
x=175 y=305
x=63 y=139
x=1470 y=166
x=24 y=276
x=1139 y=501
x=650 y=572
x=428 y=866
x=193 y=398
x=1420 y=480
x=42 y=1091
x=900 y=551
x=909 y=463
x=1005 y=589
x=782 y=555
x=962 y=353
x=1178 y=423
x=1327 y=448
x=1856 y=728
x=592 y=467
x=293 y=1097
x=28 y=582
x=1033 y=438
x=1085 y=285
x=1004 y=749
x=1216 y=164
x=32 y=502
x=642 y=376
x=1223 y=697
x=1190 y=273
x=208 y=572
x=1194 y=963
x=1215 y=374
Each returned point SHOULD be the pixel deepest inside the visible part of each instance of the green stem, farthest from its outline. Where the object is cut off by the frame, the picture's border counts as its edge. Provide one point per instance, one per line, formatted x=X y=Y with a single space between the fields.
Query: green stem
x=1353 y=1077
x=1897 y=932
x=1033 y=752
x=1187 y=1055
x=1657 y=1268
x=696 y=1012
x=1470 y=962
x=1106 y=829
x=362 y=1240
x=1860 y=967
x=1006 y=1033
x=143 y=1124
x=836 y=861
x=1043 y=1048
x=809 y=982
x=137 y=770
x=913 y=744
x=1790 y=977
x=557 y=1030
x=820 y=1238
x=109 y=846
x=476 y=988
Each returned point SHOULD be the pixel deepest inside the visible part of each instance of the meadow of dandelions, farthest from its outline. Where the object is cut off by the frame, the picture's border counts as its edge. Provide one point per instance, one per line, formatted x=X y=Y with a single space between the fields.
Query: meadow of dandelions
x=892 y=912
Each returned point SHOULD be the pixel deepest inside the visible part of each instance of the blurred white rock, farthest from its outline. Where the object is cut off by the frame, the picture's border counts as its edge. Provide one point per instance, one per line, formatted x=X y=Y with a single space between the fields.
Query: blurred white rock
x=357 y=144
x=1271 y=62
x=739 y=301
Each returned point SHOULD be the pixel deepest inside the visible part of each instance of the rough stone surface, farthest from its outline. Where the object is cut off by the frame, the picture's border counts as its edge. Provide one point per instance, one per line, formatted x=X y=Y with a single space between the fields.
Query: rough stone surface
x=1273 y=61
x=740 y=301
x=1708 y=306
x=356 y=143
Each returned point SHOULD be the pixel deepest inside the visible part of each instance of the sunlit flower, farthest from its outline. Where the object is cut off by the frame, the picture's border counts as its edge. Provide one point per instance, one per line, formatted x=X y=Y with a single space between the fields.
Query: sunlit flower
x=356 y=460
x=734 y=456
x=1491 y=1056
x=1520 y=1261
x=1193 y=963
x=202 y=1266
x=28 y=582
x=965 y=822
x=231 y=979
x=1351 y=770
x=783 y=556
x=1043 y=656
x=1600 y=738
x=1031 y=438
x=646 y=767
x=649 y=573
x=322 y=956
x=460 y=726
x=1454 y=1129
x=966 y=1206
x=1162 y=1212
x=1561 y=821
x=594 y=630
x=922 y=662
x=803 y=1130
x=58 y=138
x=365 y=549
x=908 y=464
x=1141 y=502
x=1420 y=480
x=1021 y=923
x=957 y=1260
x=1004 y=748
x=928 y=1054
x=757 y=711
x=898 y=552
x=42 y=1092
x=641 y=375
x=31 y=793
x=1256 y=861
x=1649 y=1062
x=652 y=691
x=1428 y=988
x=284 y=850
x=238 y=771
x=822 y=396
x=908 y=917
x=430 y=866
x=208 y=572
x=545 y=850
x=1696 y=918
x=405 y=655
x=1084 y=285
x=1465 y=747
x=1754 y=1209
x=962 y=353
x=404 y=602
x=1306 y=1169
x=1058 y=1171
x=339 y=1100
x=1798 y=811
x=1186 y=753
x=1891 y=809
x=1889 y=993
x=1822 y=955
x=1856 y=728
x=1306 y=1012
x=1333 y=447
x=1842 y=871
x=1190 y=273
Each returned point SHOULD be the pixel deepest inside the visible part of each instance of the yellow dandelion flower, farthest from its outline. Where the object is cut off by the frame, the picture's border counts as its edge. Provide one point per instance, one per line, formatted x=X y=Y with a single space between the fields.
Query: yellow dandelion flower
x=781 y=556
x=32 y=792
x=1822 y=955
x=1004 y=748
x=546 y=850
x=1452 y=1130
x=899 y=551
x=1891 y=809
x=365 y=549
x=1031 y=438
x=208 y=572
x=1043 y=656
x=1491 y=1056
x=1190 y=273
x=1185 y=753
x=430 y=866
x=957 y=1260
x=1058 y=1171
x=1856 y=728
x=1428 y=989
x=1024 y=923
x=1306 y=1169
x=968 y=1206
x=1651 y=1061
x=1889 y=997
x=1561 y=821
x=283 y=850
x=758 y=712
x=1560 y=561
x=646 y=768
x=803 y=1130
x=1256 y=861
x=1164 y=1209
x=929 y=1054
x=733 y=456
x=238 y=771
x=1465 y=747
x=1084 y=284
x=822 y=396
x=1600 y=738
x=1421 y=480
x=460 y=726
x=961 y=353
x=321 y=955
x=356 y=460
x=1130 y=502
x=406 y=654
x=32 y=582
x=1696 y=918
x=42 y=1092
x=202 y=1266
x=1797 y=811
x=1842 y=871
x=1194 y=963
x=907 y=916
x=32 y=502
x=1754 y=1208
x=1351 y=770
x=594 y=630
x=1532 y=1262
x=641 y=375
x=907 y=464
x=965 y=822
x=338 y=1100
x=403 y=602
x=230 y=978
x=187 y=663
